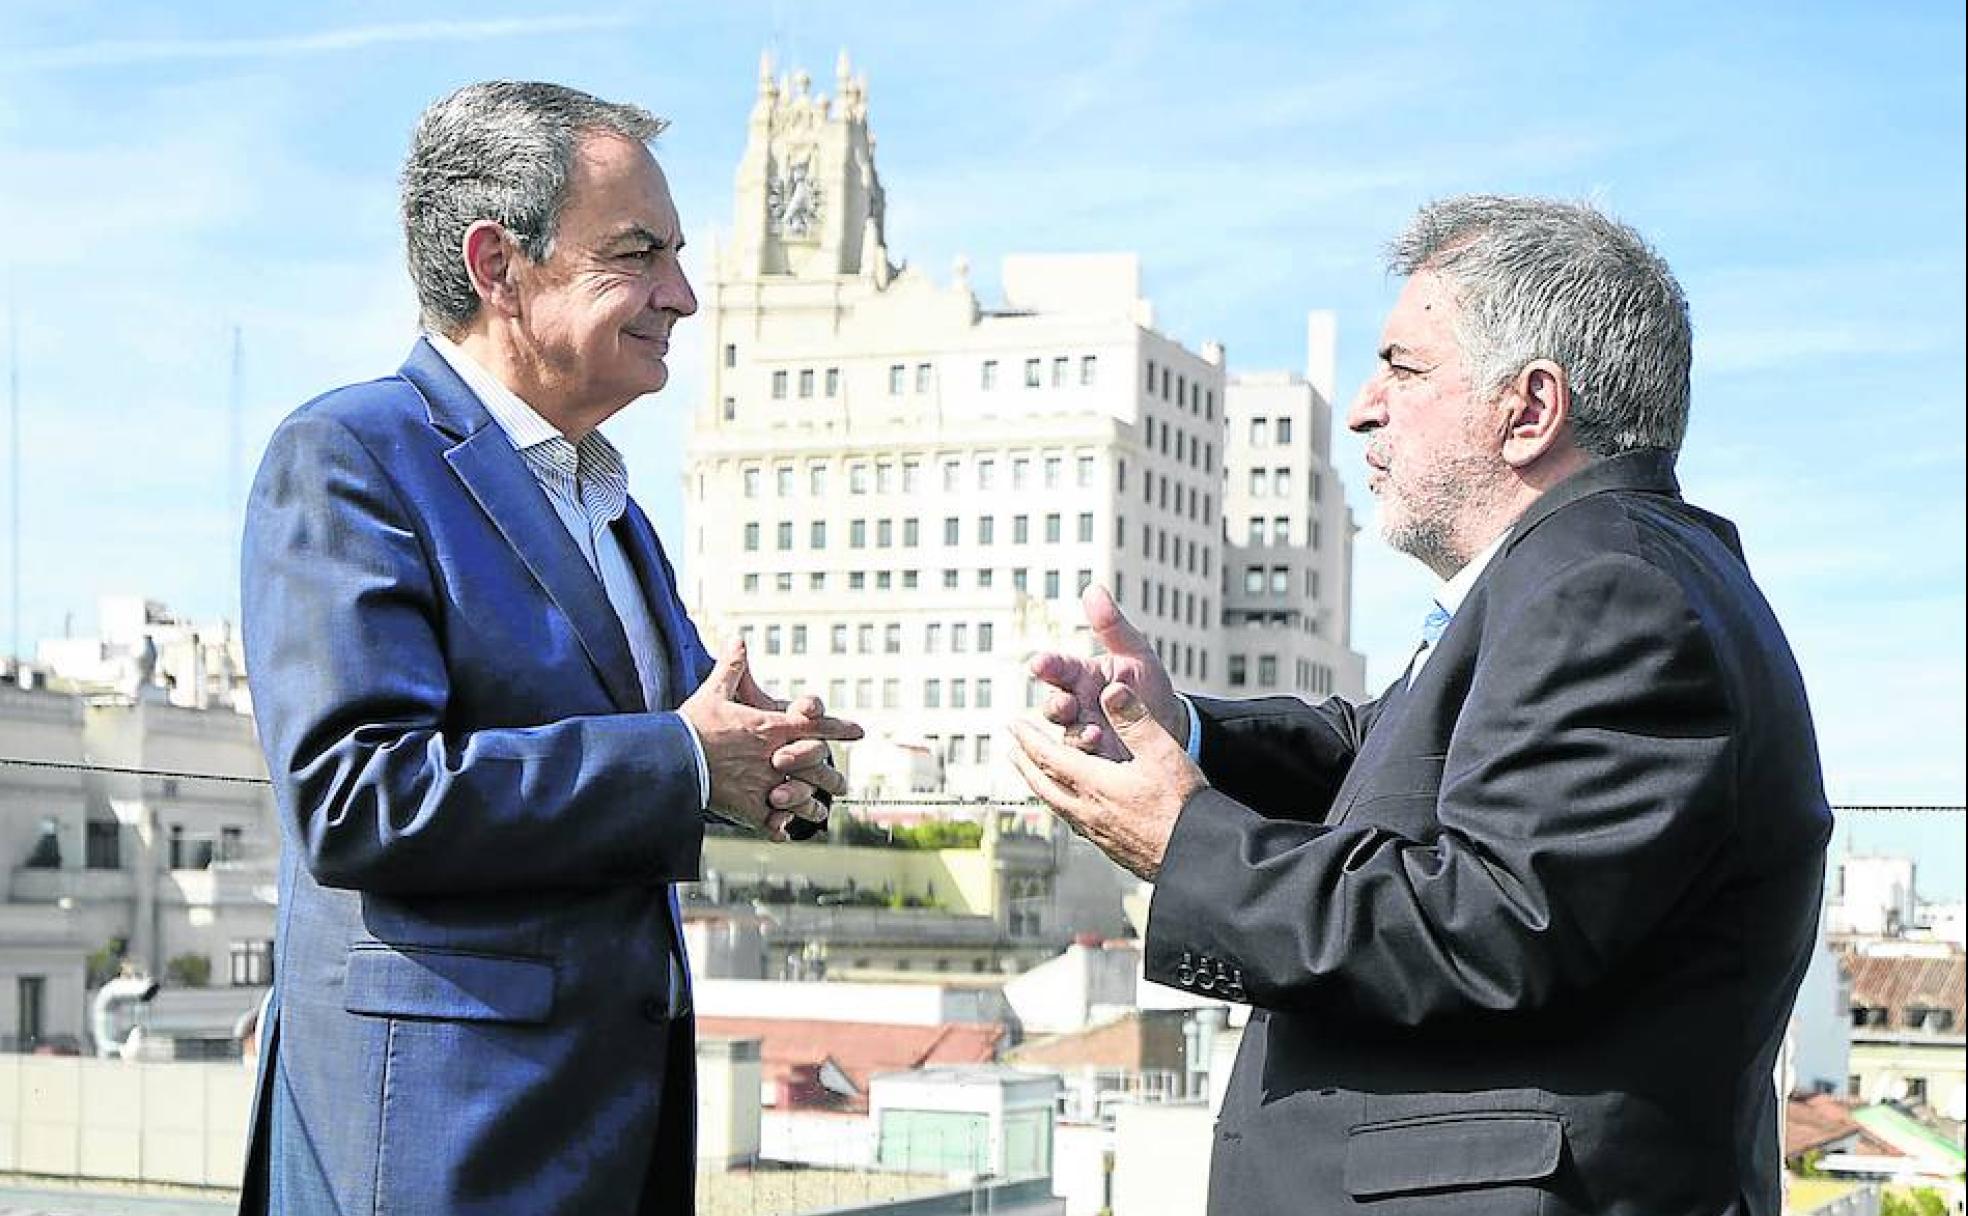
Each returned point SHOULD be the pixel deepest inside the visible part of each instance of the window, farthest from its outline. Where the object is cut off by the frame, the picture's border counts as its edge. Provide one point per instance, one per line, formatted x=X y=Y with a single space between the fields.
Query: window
x=891 y=694
x=882 y=579
x=988 y=375
x=986 y=473
x=952 y=471
x=864 y=639
x=922 y=377
x=731 y=354
x=837 y=692
x=857 y=478
x=1052 y=467
x=1089 y=364
x=1021 y=472
x=983 y=699
x=1260 y=432
x=1031 y=373
x=1086 y=527
x=772 y=639
x=857 y=580
x=779 y=386
x=816 y=534
x=837 y=642
x=1259 y=482
x=949 y=579
x=751 y=538
x=984 y=639
x=932 y=694
x=909 y=580
x=1284 y=431
x=1052 y=584
x=1059 y=366
x=1021 y=529
x=932 y=637
x=102 y=845
x=857 y=534
x=911 y=533
x=984 y=578
x=1281 y=531
x=806 y=382
x=782 y=481
x=952 y=529
x=816 y=479
x=897 y=377
x=751 y=584
x=1052 y=528
x=1283 y=479
x=1256 y=530
x=864 y=693
x=1083 y=472
x=959 y=695
x=252 y=964
x=751 y=479
x=982 y=754
x=1280 y=580
x=884 y=533
x=911 y=476
x=783 y=535
x=1253 y=580
x=1082 y=580
x=833 y=381
x=884 y=478
x=799 y=639
x=730 y=409
x=987 y=527
x=959 y=638
x=891 y=639
x=1239 y=671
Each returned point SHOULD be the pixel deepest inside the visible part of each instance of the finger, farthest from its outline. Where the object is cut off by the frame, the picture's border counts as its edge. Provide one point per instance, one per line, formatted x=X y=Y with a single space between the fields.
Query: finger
x=1086 y=737
x=1137 y=728
x=775 y=825
x=1043 y=787
x=729 y=674
x=824 y=777
x=792 y=728
x=1061 y=709
x=1058 y=762
x=801 y=754
x=1058 y=670
x=808 y=706
x=1111 y=628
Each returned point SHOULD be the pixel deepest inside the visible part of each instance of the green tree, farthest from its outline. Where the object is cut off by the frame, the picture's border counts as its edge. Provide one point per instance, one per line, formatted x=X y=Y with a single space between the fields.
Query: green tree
x=189 y=970
x=106 y=961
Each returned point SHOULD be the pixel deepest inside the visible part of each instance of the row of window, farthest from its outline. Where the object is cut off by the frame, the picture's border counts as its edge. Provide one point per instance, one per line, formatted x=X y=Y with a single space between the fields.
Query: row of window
x=809 y=382
x=1188 y=554
x=1276 y=530
x=1277 y=483
x=1190 y=449
x=885 y=532
x=1188 y=501
x=1310 y=676
x=1277 y=580
x=793 y=639
x=868 y=693
x=911 y=580
x=885 y=476
x=1264 y=430
x=1189 y=394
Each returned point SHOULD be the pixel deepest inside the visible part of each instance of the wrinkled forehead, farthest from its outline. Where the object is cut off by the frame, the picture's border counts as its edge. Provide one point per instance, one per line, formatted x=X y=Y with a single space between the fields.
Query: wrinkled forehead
x=617 y=185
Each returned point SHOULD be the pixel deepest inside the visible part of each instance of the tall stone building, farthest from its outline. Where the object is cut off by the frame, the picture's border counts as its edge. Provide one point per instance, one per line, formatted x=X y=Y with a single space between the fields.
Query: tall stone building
x=896 y=493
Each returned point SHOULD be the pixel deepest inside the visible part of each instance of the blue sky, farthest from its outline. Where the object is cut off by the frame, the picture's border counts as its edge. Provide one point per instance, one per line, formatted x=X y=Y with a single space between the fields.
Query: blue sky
x=168 y=172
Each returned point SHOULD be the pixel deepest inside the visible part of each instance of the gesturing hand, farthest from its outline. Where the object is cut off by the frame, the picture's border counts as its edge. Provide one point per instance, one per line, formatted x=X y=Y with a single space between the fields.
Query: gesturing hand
x=742 y=740
x=1126 y=808
x=1077 y=683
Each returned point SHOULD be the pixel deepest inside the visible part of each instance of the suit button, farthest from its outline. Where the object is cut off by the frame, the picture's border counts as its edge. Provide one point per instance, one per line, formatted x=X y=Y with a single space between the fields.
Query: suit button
x=655 y=1010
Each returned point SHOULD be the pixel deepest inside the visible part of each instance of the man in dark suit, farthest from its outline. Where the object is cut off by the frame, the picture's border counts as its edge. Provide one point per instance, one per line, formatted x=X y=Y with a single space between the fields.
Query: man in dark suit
x=1522 y=935
x=493 y=732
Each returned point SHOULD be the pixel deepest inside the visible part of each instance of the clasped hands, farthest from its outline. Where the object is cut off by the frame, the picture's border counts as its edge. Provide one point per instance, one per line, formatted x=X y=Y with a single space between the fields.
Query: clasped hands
x=768 y=759
x=1121 y=774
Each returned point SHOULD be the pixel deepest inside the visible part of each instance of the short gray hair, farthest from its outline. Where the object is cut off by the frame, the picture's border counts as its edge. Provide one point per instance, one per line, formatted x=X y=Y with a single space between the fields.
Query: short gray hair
x=500 y=151
x=1541 y=279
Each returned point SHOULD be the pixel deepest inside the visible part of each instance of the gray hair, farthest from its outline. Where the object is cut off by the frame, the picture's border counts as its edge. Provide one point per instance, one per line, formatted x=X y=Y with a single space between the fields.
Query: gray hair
x=500 y=151
x=1540 y=279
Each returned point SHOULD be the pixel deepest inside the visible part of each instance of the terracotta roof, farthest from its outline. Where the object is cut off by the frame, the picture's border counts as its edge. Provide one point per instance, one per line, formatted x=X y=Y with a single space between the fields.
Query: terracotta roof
x=1822 y=1122
x=794 y=1052
x=1898 y=984
x=1137 y=1041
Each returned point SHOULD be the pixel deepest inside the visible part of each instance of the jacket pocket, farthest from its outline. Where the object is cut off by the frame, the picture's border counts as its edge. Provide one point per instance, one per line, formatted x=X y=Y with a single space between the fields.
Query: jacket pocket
x=419 y=982
x=1452 y=1151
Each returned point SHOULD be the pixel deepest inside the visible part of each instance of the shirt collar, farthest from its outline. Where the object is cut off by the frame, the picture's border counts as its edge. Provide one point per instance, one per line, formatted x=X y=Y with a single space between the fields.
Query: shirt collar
x=520 y=421
x=1456 y=590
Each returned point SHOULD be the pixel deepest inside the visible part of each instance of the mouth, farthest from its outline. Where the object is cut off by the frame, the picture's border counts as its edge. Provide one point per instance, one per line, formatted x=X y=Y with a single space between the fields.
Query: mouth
x=661 y=341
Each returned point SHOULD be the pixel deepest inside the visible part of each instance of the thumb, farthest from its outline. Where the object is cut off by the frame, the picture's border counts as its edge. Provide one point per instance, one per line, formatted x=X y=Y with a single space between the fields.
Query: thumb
x=1111 y=628
x=1132 y=721
x=729 y=673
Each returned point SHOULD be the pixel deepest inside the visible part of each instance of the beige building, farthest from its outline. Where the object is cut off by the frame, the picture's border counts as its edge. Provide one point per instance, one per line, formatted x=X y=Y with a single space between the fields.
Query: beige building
x=172 y=871
x=896 y=492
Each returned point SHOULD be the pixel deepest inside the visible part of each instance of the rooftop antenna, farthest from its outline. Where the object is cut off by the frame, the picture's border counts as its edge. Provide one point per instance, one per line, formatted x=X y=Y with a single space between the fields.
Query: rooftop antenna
x=14 y=457
x=234 y=423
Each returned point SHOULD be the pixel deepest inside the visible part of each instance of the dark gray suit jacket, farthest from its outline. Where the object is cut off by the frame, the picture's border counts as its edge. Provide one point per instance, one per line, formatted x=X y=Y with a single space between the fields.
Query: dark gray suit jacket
x=1522 y=938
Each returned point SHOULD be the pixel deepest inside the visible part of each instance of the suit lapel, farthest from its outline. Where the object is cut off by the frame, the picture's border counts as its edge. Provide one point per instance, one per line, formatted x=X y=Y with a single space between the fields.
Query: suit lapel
x=507 y=491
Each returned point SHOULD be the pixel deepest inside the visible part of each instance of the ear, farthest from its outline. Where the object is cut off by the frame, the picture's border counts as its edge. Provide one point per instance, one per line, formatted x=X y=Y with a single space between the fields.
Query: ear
x=492 y=257
x=1539 y=407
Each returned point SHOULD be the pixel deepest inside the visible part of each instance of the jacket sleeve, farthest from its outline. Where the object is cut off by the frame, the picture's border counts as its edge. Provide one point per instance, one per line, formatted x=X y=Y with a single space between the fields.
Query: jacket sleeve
x=342 y=626
x=1280 y=756
x=1587 y=786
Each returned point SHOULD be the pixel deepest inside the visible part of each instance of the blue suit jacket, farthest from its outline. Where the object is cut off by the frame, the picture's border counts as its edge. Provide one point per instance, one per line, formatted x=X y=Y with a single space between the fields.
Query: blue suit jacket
x=480 y=821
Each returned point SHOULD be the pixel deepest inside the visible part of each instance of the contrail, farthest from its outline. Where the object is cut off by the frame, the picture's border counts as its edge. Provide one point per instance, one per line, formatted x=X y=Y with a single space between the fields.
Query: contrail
x=115 y=53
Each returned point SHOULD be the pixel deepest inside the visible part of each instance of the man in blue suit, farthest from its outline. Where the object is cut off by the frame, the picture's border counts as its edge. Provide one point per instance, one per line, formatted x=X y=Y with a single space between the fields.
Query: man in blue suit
x=493 y=732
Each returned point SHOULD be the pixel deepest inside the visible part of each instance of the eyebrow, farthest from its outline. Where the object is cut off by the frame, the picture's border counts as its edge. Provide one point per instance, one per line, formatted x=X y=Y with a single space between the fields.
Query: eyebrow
x=637 y=233
x=1386 y=353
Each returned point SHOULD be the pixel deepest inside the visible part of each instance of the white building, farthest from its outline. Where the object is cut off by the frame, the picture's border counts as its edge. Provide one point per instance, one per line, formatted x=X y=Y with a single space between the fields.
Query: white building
x=896 y=493
x=146 y=652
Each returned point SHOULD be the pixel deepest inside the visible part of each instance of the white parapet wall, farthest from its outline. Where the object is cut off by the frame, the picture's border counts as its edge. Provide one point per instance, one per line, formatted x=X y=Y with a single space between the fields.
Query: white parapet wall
x=75 y=1117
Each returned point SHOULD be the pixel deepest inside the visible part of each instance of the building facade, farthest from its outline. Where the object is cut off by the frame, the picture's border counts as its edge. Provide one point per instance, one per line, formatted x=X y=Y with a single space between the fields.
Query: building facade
x=896 y=494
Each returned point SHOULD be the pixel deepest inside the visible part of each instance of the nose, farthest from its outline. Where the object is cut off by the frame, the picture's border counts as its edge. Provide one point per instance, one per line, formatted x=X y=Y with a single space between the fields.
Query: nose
x=1369 y=409
x=672 y=292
